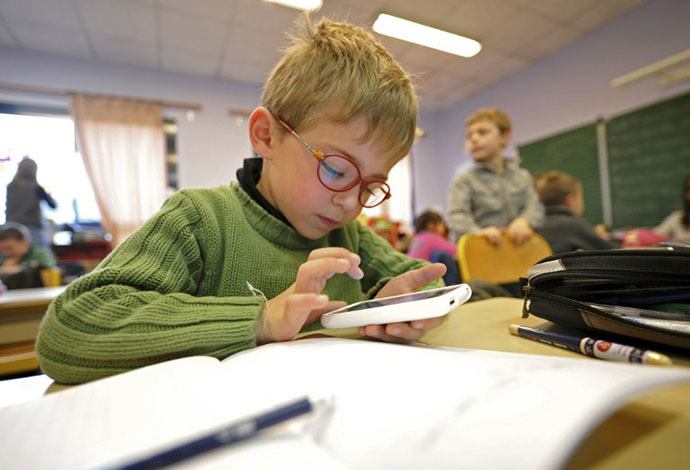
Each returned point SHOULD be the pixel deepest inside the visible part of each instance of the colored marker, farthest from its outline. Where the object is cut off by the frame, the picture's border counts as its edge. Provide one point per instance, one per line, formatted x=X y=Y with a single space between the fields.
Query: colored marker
x=592 y=347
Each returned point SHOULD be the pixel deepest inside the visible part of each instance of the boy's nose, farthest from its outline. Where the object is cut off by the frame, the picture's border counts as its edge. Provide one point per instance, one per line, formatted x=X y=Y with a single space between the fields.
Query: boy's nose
x=348 y=200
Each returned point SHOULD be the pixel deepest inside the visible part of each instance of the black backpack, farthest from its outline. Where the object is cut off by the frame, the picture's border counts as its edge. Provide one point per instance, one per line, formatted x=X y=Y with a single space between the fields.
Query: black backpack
x=639 y=293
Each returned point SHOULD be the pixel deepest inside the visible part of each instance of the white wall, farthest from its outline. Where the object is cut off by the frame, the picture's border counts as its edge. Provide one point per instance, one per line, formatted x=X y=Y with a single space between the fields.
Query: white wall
x=565 y=90
x=210 y=147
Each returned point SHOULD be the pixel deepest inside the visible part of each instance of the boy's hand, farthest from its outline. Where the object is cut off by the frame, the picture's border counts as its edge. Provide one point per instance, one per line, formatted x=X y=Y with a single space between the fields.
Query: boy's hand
x=403 y=284
x=519 y=231
x=10 y=266
x=302 y=303
x=10 y=262
x=603 y=231
x=493 y=234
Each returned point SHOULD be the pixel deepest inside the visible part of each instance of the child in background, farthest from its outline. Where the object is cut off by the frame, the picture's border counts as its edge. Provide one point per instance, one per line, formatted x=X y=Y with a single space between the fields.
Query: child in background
x=430 y=243
x=431 y=234
x=23 y=204
x=677 y=225
x=20 y=262
x=16 y=252
x=563 y=227
x=221 y=270
x=495 y=195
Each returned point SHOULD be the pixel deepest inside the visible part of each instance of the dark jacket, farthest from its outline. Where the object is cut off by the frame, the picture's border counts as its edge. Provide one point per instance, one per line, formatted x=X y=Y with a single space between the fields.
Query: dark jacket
x=565 y=231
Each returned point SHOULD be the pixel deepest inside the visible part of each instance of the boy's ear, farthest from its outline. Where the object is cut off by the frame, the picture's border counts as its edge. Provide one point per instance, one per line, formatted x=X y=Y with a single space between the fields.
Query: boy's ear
x=505 y=138
x=569 y=201
x=262 y=133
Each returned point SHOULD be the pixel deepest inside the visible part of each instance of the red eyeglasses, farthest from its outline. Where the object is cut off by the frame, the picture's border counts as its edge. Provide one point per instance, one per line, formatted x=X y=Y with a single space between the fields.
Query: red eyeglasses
x=339 y=173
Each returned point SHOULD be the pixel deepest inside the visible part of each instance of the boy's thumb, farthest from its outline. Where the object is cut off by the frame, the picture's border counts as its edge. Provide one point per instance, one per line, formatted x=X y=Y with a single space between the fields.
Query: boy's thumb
x=332 y=305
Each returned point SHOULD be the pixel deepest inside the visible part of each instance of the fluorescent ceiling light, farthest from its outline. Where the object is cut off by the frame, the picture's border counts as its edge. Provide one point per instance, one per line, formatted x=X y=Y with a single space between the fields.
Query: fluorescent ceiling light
x=675 y=76
x=299 y=4
x=657 y=68
x=426 y=36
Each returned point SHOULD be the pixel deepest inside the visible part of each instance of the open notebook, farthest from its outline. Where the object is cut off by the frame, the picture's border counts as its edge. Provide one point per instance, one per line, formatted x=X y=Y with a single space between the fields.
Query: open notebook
x=395 y=406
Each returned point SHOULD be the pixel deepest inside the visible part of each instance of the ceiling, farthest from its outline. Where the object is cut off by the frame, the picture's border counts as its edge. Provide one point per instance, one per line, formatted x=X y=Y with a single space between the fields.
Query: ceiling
x=239 y=40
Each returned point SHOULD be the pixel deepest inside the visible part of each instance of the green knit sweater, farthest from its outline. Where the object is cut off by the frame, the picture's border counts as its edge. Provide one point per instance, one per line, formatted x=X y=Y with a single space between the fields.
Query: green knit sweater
x=178 y=286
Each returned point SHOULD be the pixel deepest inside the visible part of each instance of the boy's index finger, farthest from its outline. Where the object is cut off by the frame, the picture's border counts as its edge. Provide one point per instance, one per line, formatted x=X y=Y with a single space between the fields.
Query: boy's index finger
x=335 y=252
x=353 y=259
x=311 y=275
x=323 y=267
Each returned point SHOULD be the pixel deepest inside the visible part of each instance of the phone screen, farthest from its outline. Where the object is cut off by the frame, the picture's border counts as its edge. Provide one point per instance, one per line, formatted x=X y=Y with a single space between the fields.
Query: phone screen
x=398 y=300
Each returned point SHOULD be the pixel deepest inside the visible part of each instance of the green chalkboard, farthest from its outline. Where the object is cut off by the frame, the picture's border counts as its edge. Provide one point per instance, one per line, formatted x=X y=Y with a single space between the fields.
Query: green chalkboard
x=649 y=156
x=573 y=152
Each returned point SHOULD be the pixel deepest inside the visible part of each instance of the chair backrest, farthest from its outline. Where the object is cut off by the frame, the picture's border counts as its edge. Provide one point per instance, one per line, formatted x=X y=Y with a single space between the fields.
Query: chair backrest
x=503 y=264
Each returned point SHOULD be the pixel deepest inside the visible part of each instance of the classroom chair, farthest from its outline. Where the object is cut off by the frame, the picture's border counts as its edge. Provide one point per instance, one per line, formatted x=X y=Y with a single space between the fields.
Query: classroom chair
x=503 y=264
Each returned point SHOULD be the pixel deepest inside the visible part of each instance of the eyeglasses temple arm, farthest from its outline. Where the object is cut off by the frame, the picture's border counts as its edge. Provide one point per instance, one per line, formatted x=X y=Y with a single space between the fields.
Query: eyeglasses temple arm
x=318 y=154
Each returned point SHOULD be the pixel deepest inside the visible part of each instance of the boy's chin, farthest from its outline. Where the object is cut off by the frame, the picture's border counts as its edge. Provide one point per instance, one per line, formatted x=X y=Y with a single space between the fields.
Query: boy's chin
x=483 y=158
x=311 y=236
x=312 y=233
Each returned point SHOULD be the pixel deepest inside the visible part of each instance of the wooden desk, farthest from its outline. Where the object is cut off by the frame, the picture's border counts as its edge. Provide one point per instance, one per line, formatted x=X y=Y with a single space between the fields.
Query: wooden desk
x=19 y=300
x=21 y=311
x=650 y=432
x=484 y=325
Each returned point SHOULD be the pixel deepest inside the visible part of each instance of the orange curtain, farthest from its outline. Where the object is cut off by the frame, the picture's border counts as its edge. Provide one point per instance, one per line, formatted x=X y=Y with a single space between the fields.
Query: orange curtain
x=122 y=144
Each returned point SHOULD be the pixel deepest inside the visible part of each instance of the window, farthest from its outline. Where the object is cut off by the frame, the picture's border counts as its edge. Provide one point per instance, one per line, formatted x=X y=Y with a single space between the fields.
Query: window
x=50 y=141
x=399 y=207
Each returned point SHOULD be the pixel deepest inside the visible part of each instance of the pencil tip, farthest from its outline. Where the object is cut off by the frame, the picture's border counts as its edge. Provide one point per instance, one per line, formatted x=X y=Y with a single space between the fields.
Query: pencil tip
x=657 y=359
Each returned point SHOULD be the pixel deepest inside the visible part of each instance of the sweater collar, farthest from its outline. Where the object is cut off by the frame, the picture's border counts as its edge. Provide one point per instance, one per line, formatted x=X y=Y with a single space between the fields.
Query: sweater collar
x=248 y=177
x=270 y=227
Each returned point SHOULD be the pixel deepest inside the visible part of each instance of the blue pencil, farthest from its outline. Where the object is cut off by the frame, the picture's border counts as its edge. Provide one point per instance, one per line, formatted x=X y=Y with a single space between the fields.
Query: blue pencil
x=230 y=434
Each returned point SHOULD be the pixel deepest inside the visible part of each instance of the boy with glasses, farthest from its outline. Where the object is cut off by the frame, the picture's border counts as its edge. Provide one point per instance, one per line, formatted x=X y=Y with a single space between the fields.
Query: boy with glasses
x=337 y=113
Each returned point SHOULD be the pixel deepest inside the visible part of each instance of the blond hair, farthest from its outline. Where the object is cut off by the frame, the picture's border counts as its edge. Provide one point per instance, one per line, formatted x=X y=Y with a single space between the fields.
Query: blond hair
x=495 y=115
x=553 y=187
x=340 y=72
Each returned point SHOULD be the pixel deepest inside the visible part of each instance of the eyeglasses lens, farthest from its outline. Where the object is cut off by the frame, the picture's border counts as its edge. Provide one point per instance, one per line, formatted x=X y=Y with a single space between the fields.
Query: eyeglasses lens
x=337 y=173
x=373 y=194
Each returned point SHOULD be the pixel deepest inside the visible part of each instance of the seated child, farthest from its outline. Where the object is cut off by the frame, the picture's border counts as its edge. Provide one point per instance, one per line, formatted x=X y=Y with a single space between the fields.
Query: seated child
x=431 y=234
x=16 y=251
x=430 y=242
x=224 y=269
x=495 y=195
x=563 y=227
x=19 y=261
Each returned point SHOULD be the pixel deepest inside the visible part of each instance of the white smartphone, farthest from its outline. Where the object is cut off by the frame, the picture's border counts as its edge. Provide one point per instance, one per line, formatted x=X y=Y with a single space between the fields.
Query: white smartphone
x=399 y=308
